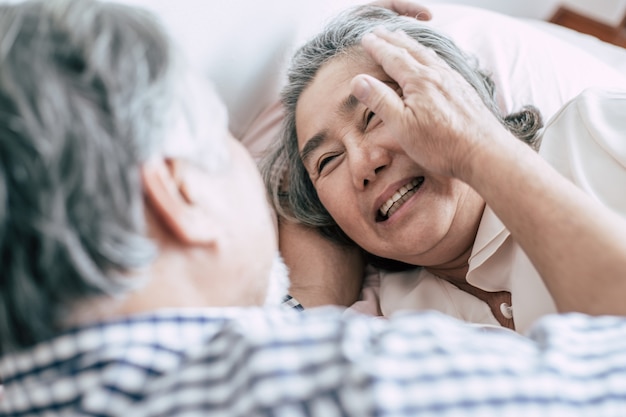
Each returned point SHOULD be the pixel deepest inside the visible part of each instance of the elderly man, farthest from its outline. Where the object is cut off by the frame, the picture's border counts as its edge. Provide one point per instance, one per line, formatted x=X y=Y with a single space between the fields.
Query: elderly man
x=134 y=229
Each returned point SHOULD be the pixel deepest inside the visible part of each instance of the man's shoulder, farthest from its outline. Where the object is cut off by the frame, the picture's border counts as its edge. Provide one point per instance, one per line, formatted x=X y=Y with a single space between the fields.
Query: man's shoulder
x=111 y=365
x=245 y=361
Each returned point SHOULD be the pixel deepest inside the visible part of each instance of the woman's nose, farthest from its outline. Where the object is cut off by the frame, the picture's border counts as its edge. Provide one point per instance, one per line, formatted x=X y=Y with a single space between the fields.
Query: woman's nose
x=367 y=161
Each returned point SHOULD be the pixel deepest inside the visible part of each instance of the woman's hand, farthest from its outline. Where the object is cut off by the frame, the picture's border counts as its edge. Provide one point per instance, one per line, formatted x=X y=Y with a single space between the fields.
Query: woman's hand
x=439 y=119
x=405 y=7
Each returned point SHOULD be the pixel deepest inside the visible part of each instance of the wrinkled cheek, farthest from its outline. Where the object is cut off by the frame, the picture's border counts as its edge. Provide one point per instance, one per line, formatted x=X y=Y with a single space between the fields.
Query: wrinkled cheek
x=342 y=205
x=332 y=206
x=347 y=219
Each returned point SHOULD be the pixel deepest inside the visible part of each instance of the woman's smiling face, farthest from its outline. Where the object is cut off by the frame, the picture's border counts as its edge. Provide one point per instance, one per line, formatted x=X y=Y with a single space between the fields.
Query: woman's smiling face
x=386 y=203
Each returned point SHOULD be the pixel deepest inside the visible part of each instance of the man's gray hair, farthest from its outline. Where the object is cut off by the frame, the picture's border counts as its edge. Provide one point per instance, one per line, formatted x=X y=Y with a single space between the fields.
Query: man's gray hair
x=88 y=91
x=288 y=184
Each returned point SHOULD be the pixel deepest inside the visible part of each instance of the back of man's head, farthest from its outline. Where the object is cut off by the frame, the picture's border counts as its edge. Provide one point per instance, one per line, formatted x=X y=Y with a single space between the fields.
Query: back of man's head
x=83 y=89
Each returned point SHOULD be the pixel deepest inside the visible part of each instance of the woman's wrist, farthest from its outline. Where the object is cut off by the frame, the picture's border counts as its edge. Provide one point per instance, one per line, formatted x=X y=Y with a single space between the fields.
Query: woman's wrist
x=487 y=161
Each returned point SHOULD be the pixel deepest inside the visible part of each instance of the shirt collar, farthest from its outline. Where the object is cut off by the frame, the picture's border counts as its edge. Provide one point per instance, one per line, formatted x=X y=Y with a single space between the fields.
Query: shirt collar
x=489 y=262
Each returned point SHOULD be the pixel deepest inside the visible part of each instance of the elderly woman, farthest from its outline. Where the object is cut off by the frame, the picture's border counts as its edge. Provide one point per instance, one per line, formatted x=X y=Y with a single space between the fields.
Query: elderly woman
x=349 y=176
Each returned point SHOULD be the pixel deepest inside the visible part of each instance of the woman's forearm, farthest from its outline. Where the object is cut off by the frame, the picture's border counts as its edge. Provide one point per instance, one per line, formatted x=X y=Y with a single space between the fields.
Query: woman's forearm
x=577 y=245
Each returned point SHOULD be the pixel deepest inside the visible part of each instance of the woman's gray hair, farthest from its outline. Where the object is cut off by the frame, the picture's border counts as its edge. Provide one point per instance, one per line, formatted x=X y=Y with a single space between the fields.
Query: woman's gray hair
x=289 y=186
x=86 y=90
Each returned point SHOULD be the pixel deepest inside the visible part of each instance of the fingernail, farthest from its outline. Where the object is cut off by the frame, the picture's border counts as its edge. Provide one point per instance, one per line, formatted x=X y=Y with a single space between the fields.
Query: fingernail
x=423 y=15
x=360 y=88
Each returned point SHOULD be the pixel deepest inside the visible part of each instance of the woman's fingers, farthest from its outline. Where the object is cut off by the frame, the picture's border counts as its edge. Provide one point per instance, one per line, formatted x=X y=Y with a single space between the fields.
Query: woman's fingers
x=379 y=98
x=400 y=39
x=396 y=61
x=429 y=121
x=405 y=7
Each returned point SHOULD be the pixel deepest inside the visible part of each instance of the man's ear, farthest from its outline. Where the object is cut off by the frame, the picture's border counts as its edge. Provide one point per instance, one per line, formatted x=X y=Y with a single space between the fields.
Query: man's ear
x=165 y=184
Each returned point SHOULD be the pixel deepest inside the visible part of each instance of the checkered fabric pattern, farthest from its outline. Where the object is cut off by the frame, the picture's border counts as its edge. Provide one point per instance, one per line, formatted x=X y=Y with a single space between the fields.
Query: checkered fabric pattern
x=290 y=302
x=255 y=362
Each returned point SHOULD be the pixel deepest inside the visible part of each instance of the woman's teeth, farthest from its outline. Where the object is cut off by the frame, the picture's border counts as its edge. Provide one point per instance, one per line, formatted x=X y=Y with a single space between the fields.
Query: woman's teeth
x=399 y=197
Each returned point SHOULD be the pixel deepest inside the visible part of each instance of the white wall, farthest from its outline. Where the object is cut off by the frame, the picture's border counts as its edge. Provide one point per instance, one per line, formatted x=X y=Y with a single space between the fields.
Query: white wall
x=607 y=11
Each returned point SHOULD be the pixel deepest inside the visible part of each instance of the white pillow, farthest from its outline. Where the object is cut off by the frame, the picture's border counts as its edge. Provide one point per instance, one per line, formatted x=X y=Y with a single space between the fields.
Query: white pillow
x=529 y=65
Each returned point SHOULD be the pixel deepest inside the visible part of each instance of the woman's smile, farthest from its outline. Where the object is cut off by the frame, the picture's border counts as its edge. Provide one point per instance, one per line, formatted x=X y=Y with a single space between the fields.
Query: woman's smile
x=401 y=196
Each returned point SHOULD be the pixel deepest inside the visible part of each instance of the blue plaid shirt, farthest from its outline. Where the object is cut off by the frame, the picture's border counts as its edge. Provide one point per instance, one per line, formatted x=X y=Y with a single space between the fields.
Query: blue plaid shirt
x=254 y=362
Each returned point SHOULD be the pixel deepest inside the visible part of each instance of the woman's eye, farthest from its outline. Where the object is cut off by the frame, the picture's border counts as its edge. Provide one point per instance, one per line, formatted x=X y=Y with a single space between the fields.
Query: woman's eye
x=369 y=117
x=371 y=120
x=323 y=162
